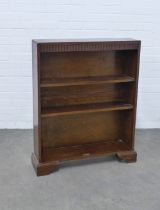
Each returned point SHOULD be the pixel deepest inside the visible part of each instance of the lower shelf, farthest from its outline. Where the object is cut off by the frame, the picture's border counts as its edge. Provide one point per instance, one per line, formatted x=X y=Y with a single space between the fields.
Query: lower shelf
x=87 y=108
x=53 y=157
x=83 y=151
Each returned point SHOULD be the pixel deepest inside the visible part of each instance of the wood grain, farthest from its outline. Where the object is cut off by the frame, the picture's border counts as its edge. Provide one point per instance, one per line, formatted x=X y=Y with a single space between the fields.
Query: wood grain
x=86 y=94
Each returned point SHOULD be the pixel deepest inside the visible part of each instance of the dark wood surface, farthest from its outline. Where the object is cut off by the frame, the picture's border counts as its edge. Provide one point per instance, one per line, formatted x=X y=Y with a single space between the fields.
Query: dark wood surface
x=76 y=81
x=82 y=128
x=92 y=94
x=89 y=108
x=85 y=96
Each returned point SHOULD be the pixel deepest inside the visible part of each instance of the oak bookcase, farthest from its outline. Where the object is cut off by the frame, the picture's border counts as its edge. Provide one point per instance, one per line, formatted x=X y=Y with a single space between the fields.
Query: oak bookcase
x=85 y=95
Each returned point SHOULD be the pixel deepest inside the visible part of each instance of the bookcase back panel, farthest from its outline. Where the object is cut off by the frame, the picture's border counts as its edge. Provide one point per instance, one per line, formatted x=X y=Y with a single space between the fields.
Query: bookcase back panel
x=86 y=64
x=87 y=94
x=79 y=129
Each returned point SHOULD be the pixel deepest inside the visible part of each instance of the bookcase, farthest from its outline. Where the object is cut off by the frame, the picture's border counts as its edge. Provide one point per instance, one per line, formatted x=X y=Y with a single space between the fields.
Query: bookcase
x=84 y=100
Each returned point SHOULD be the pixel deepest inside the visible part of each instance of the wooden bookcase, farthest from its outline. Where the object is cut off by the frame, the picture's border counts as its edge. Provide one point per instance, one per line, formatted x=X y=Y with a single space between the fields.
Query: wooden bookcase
x=85 y=95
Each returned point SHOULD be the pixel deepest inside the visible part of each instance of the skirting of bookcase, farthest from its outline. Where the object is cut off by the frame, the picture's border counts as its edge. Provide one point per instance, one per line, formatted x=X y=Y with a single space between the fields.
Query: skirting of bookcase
x=52 y=157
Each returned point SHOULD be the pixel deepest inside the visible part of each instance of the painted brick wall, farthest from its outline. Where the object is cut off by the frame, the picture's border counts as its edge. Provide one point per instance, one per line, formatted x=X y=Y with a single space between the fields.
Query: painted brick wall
x=23 y=20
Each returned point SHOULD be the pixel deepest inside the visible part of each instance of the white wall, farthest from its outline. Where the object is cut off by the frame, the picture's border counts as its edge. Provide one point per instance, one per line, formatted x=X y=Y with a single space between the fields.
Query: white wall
x=23 y=20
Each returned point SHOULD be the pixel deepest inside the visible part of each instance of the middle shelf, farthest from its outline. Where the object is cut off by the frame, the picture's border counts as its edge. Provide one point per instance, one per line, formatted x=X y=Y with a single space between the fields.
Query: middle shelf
x=85 y=108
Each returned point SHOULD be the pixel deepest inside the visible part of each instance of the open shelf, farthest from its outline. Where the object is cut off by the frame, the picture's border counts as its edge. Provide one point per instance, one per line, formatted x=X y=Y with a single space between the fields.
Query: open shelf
x=85 y=108
x=83 y=151
x=71 y=96
x=63 y=82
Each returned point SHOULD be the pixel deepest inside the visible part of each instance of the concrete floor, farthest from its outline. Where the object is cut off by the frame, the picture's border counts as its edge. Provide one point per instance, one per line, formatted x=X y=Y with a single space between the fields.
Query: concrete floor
x=102 y=184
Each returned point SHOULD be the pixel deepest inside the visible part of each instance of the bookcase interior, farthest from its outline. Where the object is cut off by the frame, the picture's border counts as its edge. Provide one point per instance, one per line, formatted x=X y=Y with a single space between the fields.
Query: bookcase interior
x=55 y=97
x=76 y=129
x=66 y=66
x=75 y=83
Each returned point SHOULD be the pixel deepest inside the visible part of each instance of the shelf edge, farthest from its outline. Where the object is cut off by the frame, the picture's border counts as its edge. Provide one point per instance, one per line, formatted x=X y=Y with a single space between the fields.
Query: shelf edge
x=91 y=110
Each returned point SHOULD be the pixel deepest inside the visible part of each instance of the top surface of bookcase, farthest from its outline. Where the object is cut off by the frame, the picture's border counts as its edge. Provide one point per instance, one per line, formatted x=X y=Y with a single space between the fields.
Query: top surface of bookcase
x=69 y=45
x=84 y=40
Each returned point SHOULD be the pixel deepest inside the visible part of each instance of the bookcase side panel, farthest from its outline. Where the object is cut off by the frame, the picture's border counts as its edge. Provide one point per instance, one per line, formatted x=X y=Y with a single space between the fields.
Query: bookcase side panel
x=36 y=101
x=129 y=133
x=135 y=93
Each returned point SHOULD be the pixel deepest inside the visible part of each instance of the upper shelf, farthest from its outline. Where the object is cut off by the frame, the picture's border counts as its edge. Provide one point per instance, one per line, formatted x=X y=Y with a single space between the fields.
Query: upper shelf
x=63 y=82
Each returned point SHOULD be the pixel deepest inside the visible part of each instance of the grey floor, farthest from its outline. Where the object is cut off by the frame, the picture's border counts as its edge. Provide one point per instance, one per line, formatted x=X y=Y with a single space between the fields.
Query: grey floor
x=102 y=184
